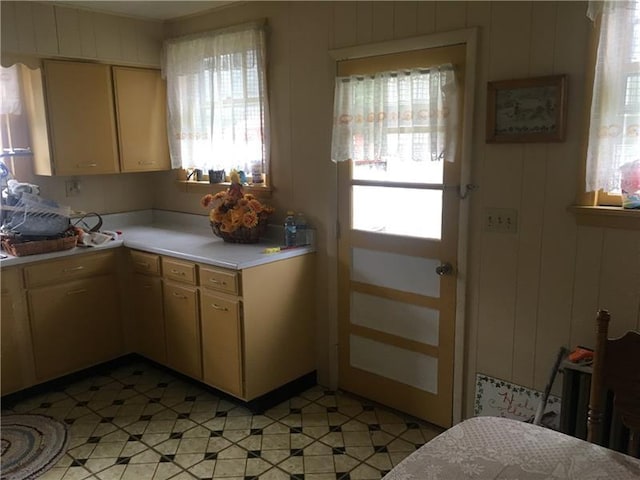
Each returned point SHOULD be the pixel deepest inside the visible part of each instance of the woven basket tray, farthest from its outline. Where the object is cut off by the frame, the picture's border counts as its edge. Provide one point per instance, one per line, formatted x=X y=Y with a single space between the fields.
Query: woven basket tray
x=242 y=234
x=21 y=249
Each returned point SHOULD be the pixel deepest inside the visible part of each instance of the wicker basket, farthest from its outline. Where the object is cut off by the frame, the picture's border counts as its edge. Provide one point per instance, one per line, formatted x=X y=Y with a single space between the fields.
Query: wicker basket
x=20 y=248
x=242 y=234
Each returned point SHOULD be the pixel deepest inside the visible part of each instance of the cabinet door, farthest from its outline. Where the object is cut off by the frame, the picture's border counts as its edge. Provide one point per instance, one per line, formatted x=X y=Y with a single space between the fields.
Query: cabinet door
x=149 y=332
x=141 y=99
x=182 y=329
x=81 y=118
x=75 y=325
x=221 y=343
x=16 y=353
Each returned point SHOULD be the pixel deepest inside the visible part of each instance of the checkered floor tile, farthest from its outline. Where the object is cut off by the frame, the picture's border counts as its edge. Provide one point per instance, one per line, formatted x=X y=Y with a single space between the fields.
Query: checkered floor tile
x=139 y=422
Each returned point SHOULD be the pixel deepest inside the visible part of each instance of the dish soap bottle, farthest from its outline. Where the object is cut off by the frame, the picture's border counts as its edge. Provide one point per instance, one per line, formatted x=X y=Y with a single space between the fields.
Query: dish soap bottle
x=290 y=230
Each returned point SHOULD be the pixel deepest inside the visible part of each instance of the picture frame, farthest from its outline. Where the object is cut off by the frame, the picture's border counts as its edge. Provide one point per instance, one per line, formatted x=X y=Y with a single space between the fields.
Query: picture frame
x=527 y=110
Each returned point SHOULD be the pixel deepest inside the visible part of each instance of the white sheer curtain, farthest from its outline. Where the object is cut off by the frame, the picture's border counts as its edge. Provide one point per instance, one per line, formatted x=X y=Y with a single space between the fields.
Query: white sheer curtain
x=11 y=102
x=10 y=105
x=390 y=116
x=614 y=133
x=217 y=100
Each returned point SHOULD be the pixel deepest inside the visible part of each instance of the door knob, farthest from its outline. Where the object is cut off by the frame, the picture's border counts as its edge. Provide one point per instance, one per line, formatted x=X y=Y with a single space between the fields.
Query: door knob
x=444 y=269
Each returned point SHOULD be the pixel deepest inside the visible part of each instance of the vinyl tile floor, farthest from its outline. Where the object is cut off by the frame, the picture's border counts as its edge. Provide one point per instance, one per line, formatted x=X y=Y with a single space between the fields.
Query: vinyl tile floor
x=139 y=422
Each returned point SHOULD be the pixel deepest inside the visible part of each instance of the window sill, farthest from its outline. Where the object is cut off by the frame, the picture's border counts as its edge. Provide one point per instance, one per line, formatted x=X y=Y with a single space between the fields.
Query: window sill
x=190 y=186
x=607 y=217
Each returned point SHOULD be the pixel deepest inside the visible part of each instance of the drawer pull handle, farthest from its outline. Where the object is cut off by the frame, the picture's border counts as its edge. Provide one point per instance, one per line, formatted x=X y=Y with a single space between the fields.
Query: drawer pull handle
x=221 y=282
x=86 y=165
x=179 y=295
x=73 y=269
x=146 y=163
x=77 y=292
x=218 y=307
x=143 y=264
x=176 y=272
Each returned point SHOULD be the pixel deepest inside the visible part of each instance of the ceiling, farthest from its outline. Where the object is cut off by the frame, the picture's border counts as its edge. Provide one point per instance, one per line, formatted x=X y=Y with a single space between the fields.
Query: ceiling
x=150 y=10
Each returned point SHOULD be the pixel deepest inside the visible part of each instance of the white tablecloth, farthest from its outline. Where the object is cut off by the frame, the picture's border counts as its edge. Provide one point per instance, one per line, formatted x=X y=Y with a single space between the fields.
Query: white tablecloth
x=487 y=448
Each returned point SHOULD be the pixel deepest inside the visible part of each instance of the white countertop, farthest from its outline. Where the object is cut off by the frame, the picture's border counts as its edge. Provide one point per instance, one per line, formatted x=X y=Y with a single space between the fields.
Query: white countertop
x=179 y=235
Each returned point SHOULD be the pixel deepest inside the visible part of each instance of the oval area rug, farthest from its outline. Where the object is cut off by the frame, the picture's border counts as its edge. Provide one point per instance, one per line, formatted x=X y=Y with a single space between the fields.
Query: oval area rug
x=30 y=445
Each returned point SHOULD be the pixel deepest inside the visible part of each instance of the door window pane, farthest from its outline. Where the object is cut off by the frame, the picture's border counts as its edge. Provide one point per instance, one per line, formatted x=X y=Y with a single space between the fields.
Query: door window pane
x=405 y=273
x=394 y=169
x=398 y=211
x=413 y=322
x=411 y=368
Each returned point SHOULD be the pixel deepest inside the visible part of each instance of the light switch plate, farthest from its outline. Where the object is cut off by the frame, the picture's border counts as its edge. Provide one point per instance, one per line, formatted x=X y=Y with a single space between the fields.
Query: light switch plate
x=500 y=220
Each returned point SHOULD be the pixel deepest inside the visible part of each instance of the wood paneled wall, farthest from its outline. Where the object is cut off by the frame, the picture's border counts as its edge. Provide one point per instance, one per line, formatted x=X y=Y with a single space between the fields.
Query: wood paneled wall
x=46 y=30
x=529 y=292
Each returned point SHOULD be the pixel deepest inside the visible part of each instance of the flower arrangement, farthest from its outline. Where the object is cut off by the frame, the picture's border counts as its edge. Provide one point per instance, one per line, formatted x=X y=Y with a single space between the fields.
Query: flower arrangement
x=235 y=216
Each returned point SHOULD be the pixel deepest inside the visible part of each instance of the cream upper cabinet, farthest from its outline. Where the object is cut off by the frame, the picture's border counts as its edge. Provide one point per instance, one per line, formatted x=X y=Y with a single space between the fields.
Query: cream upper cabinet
x=81 y=120
x=90 y=118
x=141 y=99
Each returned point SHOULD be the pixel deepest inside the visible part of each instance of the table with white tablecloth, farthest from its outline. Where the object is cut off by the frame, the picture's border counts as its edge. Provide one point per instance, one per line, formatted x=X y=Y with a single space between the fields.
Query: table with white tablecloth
x=494 y=448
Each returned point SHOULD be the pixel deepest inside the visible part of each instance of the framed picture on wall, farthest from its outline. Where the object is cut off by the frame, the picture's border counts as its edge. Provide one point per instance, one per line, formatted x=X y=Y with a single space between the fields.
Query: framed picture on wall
x=527 y=110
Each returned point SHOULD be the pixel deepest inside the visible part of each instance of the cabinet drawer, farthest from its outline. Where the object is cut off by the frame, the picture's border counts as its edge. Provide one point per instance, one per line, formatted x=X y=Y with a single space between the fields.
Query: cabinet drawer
x=70 y=268
x=142 y=262
x=11 y=280
x=218 y=279
x=179 y=270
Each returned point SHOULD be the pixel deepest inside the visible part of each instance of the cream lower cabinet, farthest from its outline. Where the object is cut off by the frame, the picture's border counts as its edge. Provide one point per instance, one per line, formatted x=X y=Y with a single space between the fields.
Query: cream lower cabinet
x=257 y=325
x=148 y=315
x=181 y=316
x=182 y=327
x=221 y=342
x=244 y=332
x=146 y=322
x=278 y=327
x=16 y=351
x=74 y=313
x=164 y=318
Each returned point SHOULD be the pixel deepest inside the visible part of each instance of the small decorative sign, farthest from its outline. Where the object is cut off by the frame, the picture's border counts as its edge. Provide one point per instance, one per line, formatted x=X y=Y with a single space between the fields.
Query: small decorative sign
x=527 y=110
x=498 y=398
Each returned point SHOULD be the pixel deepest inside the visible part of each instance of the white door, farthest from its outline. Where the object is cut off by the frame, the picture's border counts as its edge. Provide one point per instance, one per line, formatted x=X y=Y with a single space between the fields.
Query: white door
x=397 y=268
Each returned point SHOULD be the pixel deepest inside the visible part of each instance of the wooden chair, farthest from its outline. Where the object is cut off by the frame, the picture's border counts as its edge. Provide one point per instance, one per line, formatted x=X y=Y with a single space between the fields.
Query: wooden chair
x=616 y=369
